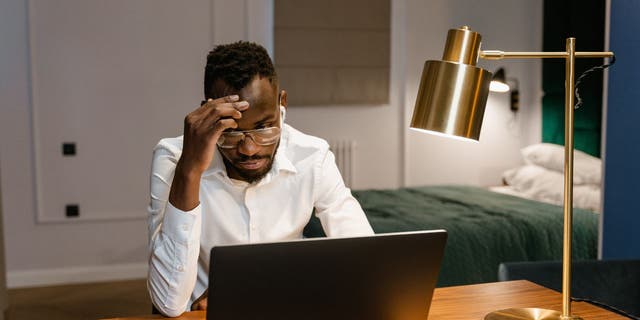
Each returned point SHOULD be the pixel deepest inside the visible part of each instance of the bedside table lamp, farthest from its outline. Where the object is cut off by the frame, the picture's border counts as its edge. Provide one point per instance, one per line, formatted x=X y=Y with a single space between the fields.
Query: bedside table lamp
x=451 y=101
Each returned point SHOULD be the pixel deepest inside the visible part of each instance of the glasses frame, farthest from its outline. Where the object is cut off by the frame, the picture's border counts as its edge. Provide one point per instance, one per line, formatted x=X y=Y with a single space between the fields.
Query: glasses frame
x=250 y=134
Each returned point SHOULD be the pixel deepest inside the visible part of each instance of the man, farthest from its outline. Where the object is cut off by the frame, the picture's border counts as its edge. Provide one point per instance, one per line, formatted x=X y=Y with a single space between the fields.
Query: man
x=237 y=175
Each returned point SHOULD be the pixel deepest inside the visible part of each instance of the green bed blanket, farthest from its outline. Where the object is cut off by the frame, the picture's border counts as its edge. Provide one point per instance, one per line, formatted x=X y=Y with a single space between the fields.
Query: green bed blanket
x=484 y=228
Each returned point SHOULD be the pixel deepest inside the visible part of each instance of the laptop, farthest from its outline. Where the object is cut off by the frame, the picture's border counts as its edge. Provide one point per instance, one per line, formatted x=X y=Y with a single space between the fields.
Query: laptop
x=385 y=276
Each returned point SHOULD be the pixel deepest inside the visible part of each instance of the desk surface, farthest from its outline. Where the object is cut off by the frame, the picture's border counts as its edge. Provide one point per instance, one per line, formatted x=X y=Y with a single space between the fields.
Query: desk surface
x=475 y=301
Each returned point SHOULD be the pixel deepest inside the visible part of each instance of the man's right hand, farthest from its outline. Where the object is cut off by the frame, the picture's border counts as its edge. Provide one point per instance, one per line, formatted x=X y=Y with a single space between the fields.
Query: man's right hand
x=202 y=129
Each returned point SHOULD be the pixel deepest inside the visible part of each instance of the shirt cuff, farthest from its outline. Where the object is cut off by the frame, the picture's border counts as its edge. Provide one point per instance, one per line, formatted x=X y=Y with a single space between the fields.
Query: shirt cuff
x=178 y=224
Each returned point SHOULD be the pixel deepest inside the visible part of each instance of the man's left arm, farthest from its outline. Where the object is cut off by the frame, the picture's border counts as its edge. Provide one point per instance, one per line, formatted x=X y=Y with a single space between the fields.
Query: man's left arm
x=340 y=213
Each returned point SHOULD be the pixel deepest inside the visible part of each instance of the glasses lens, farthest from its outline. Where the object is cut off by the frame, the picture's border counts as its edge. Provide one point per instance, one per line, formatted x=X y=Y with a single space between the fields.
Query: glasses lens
x=230 y=139
x=262 y=137
x=266 y=136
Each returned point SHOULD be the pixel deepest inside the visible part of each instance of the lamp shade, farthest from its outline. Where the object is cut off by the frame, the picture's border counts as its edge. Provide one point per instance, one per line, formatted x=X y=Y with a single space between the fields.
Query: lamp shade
x=453 y=93
x=451 y=99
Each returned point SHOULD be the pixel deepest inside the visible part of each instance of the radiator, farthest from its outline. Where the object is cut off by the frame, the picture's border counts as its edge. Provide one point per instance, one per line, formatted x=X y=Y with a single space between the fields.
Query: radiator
x=345 y=152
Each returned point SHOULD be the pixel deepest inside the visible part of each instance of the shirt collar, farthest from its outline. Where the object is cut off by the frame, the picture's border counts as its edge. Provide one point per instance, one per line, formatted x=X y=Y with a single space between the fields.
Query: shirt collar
x=280 y=163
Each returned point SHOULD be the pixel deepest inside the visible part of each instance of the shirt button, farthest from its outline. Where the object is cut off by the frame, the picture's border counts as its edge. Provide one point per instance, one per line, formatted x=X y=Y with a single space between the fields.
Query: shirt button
x=180 y=268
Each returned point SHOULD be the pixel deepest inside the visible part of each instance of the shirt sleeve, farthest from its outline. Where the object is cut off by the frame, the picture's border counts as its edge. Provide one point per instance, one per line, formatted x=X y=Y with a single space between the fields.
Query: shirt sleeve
x=174 y=241
x=339 y=212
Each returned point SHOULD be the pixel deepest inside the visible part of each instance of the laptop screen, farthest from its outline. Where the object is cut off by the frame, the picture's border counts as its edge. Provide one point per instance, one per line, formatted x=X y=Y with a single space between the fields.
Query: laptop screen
x=385 y=276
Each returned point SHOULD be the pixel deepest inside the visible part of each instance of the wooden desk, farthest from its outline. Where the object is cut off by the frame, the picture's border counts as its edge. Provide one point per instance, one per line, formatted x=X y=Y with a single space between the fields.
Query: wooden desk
x=473 y=302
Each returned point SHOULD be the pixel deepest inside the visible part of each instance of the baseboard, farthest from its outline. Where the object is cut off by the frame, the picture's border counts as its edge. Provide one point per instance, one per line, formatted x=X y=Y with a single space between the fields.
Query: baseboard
x=75 y=275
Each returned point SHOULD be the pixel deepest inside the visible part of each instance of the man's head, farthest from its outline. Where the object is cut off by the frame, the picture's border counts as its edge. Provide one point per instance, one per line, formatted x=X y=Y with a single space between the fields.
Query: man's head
x=245 y=69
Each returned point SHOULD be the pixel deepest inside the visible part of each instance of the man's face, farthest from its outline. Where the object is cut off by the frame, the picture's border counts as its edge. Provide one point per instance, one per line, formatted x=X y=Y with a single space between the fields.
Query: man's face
x=250 y=161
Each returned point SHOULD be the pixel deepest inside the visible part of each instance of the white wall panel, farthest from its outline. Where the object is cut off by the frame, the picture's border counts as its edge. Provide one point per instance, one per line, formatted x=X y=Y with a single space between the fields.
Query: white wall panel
x=113 y=77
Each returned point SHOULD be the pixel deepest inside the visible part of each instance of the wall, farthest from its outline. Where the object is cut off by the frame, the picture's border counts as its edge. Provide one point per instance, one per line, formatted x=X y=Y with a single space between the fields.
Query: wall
x=112 y=246
x=621 y=218
x=388 y=155
x=4 y=297
x=504 y=25
x=418 y=33
x=94 y=86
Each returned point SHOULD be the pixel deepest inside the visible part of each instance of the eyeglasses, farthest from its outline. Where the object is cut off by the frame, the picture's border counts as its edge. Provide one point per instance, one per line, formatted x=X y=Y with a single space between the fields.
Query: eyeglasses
x=262 y=137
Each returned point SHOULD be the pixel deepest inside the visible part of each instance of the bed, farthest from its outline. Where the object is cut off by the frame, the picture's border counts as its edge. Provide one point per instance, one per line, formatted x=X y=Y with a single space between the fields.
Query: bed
x=485 y=228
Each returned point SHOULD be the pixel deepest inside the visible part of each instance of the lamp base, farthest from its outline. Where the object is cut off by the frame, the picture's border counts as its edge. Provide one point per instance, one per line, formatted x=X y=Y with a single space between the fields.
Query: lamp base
x=528 y=314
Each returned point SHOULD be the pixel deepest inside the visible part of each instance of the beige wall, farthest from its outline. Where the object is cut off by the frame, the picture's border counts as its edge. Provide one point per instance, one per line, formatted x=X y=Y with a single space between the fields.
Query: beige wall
x=388 y=155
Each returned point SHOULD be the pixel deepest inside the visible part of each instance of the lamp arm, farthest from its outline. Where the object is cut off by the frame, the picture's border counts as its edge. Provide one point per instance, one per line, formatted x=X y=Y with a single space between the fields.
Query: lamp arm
x=499 y=55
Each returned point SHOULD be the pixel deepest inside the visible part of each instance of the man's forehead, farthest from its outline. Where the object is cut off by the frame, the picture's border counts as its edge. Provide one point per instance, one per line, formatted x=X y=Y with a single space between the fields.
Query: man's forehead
x=257 y=99
x=256 y=115
x=258 y=91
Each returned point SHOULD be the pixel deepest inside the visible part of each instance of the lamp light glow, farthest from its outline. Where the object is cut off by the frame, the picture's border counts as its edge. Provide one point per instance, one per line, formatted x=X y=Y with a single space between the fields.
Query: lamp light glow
x=446 y=135
x=499 y=82
x=496 y=86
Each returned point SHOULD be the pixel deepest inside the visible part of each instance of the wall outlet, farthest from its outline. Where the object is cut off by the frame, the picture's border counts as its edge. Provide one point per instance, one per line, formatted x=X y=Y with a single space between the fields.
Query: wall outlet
x=72 y=211
x=68 y=149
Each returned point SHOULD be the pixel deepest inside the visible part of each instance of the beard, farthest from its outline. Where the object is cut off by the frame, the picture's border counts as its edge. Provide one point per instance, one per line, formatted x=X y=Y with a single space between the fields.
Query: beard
x=250 y=176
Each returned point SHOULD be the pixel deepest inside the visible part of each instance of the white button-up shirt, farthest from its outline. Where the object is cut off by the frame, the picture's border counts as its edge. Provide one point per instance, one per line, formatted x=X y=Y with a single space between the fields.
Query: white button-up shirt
x=304 y=176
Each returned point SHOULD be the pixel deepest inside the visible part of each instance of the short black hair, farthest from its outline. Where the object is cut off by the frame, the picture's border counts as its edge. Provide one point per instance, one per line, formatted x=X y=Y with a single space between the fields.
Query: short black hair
x=237 y=64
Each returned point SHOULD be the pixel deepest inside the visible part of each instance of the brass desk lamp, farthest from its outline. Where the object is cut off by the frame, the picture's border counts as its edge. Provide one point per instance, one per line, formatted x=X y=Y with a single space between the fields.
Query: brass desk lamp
x=451 y=101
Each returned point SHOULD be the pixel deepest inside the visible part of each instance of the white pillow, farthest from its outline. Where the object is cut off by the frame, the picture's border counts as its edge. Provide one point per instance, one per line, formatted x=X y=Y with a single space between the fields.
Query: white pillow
x=534 y=181
x=587 y=197
x=587 y=169
x=537 y=183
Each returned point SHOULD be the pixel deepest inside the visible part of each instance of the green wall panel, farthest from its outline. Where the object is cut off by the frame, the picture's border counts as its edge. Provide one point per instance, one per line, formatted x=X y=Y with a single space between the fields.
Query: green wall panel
x=583 y=20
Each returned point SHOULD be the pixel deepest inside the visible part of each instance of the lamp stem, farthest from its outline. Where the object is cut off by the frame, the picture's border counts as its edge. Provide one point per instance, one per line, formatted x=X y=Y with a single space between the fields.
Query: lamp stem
x=568 y=176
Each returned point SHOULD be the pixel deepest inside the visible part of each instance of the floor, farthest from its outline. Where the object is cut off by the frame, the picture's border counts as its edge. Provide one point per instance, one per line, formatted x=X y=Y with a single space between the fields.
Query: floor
x=81 y=302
